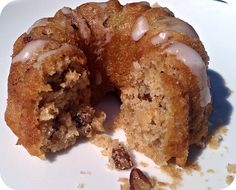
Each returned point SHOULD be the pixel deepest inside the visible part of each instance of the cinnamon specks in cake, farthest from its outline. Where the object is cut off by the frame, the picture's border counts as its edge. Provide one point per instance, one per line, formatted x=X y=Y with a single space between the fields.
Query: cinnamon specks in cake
x=160 y=38
x=140 y=28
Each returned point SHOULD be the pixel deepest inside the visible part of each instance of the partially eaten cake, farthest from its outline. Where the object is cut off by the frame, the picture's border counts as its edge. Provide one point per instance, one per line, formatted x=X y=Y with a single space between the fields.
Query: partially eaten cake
x=156 y=63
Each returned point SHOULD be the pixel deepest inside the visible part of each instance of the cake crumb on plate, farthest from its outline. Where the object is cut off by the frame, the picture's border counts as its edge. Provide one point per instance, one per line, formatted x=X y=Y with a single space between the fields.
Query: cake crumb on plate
x=143 y=164
x=175 y=173
x=210 y=171
x=124 y=183
x=192 y=167
x=215 y=139
x=80 y=186
x=85 y=172
x=231 y=168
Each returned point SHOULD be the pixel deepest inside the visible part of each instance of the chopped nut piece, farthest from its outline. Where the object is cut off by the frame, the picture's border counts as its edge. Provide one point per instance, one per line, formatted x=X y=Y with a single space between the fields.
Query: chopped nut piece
x=229 y=179
x=120 y=157
x=139 y=181
x=88 y=121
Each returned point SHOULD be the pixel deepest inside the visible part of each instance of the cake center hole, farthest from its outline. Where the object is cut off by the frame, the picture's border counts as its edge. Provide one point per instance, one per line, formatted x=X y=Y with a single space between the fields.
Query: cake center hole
x=110 y=104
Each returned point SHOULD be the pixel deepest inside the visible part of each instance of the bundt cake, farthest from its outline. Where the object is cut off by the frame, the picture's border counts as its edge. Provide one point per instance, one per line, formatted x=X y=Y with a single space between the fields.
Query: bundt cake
x=64 y=64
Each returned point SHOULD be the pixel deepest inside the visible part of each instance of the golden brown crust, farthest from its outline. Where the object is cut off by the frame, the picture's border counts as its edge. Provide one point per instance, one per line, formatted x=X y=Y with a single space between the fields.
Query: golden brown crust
x=26 y=84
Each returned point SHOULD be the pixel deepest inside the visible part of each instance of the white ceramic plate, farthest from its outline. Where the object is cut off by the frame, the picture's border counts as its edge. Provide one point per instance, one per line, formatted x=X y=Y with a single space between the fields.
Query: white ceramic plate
x=216 y=25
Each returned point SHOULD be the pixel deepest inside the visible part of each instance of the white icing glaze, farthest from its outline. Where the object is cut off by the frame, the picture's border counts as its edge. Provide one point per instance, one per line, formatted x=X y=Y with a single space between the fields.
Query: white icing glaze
x=196 y=65
x=145 y=3
x=62 y=22
x=47 y=54
x=79 y=21
x=66 y=10
x=84 y=29
x=40 y=22
x=177 y=25
x=103 y=5
x=30 y=50
x=140 y=28
x=168 y=11
x=184 y=28
x=155 y=5
x=160 y=38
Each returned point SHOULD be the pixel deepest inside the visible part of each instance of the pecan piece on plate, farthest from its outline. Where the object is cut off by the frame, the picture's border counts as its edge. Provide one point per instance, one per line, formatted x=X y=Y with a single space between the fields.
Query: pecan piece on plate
x=138 y=180
x=120 y=157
